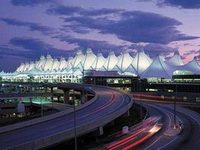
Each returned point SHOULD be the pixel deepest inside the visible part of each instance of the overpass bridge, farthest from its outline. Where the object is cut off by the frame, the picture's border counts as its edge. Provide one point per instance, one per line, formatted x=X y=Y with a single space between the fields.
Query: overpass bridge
x=107 y=105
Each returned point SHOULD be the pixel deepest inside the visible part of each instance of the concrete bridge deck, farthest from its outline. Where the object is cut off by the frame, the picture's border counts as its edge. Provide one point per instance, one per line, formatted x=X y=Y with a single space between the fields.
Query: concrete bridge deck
x=107 y=105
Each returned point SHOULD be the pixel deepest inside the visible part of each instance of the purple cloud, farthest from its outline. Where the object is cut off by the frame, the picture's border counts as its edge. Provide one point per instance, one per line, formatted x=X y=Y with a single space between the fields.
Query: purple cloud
x=38 y=47
x=97 y=46
x=30 y=2
x=30 y=25
x=134 y=26
x=186 y=4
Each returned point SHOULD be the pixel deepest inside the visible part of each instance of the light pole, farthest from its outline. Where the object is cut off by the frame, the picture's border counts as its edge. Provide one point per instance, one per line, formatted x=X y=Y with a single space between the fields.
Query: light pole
x=41 y=104
x=175 y=106
x=75 y=135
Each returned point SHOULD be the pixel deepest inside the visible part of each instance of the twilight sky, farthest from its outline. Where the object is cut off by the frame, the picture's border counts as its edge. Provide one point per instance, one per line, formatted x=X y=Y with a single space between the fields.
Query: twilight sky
x=31 y=28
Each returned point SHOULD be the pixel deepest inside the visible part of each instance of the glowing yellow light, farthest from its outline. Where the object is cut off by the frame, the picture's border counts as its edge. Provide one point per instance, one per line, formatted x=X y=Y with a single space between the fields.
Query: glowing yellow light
x=154 y=129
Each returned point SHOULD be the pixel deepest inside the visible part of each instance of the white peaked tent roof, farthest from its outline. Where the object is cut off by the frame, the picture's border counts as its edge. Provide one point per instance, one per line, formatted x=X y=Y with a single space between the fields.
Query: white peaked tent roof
x=23 y=67
x=37 y=63
x=41 y=63
x=131 y=70
x=78 y=58
x=158 y=68
x=141 y=62
x=34 y=71
x=99 y=62
x=48 y=63
x=74 y=71
x=63 y=64
x=69 y=62
x=55 y=65
x=2 y=73
x=124 y=61
x=175 y=60
x=116 y=69
x=90 y=58
x=192 y=66
x=26 y=66
x=20 y=68
x=31 y=66
x=111 y=61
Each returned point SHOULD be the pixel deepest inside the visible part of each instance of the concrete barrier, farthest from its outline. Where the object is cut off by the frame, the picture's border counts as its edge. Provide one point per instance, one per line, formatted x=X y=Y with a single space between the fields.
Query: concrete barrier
x=45 y=118
x=68 y=134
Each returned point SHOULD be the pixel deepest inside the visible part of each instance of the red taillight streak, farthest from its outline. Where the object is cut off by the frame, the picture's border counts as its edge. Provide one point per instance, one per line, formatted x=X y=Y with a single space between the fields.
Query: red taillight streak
x=124 y=141
x=133 y=128
x=138 y=142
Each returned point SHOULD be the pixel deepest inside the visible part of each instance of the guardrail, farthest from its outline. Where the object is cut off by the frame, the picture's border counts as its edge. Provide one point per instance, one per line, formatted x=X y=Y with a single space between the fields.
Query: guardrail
x=69 y=133
x=45 y=118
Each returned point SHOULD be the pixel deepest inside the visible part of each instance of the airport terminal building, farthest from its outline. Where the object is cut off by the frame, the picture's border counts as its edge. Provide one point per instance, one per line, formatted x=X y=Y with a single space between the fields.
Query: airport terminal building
x=73 y=69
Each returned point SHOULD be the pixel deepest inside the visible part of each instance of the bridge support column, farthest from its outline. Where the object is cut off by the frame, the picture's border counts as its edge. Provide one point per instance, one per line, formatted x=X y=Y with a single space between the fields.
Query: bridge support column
x=45 y=89
x=52 y=98
x=36 y=88
x=128 y=113
x=51 y=90
x=101 y=130
x=31 y=101
x=83 y=96
x=58 y=97
x=66 y=95
x=31 y=89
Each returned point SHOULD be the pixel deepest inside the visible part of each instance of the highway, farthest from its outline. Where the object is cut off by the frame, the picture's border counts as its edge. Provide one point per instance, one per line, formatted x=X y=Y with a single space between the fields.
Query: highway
x=188 y=138
x=109 y=104
x=137 y=134
x=140 y=136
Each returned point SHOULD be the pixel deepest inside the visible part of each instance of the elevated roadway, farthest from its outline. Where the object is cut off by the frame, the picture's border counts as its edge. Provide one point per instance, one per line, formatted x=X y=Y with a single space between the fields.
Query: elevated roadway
x=107 y=105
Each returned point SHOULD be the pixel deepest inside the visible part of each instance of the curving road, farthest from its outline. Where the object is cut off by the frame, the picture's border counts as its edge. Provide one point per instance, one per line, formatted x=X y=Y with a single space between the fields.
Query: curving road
x=109 y=104
x=188 y=139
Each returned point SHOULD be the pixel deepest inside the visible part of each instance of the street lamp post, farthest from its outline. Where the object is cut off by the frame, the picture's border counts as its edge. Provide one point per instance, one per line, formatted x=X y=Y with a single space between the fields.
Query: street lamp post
x=75 y=135
x=175 y=106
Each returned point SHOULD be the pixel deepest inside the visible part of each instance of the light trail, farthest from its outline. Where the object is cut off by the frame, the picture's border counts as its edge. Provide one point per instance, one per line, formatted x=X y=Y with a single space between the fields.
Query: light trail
x=124 y=141
x=148 y=126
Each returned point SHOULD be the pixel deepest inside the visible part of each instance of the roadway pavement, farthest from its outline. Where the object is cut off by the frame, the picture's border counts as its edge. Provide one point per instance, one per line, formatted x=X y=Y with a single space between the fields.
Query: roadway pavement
x=109 y=105
x=188 y=139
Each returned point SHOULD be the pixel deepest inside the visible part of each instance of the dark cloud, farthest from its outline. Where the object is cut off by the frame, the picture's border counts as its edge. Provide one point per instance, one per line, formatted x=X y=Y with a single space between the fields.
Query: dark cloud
x=25 y=50
x=30 y=2
x=97 y=46
x=70 y=10
x=77 y=29
x=134 y=26
x=186 y=4
x=38 y=47
x=6 y=51
x=11 y=58
x=10 y=63
x=100 y=12
x=64 y=10
x=30 y=25
x=154 y=50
